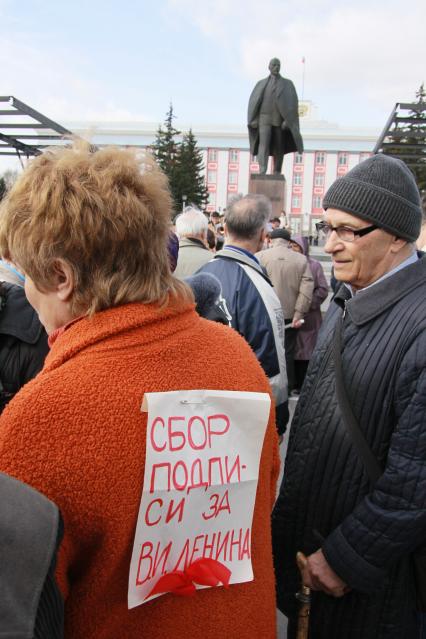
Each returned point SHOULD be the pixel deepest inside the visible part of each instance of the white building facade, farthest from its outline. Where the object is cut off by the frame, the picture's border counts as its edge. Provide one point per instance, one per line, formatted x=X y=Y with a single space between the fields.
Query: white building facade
x=330 y=152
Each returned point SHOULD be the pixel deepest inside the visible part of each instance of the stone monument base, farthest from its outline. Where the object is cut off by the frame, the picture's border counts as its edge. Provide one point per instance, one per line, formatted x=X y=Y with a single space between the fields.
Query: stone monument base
x=273 y=187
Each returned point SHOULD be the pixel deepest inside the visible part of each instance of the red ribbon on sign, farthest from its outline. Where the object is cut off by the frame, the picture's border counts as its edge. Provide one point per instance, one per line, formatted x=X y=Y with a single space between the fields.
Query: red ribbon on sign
x=205 y=572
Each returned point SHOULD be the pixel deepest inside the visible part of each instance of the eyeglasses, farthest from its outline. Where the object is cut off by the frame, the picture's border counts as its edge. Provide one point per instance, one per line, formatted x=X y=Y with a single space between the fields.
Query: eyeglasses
x=344 y=233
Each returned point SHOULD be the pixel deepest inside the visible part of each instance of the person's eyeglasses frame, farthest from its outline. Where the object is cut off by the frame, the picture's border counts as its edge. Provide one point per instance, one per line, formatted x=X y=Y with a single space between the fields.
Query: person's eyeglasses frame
x=327 y=229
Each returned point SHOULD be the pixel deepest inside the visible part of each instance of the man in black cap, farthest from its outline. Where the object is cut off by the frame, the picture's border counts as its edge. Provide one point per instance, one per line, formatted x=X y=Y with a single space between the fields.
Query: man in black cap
x=292 y=279
x=353 y=498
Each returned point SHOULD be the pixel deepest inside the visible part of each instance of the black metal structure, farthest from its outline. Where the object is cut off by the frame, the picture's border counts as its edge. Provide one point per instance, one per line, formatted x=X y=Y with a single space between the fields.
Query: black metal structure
x=24 y=131
x=404 y=135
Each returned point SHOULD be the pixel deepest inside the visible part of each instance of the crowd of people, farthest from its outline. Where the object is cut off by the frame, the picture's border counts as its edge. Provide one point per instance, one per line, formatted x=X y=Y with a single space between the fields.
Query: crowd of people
x=111 y=318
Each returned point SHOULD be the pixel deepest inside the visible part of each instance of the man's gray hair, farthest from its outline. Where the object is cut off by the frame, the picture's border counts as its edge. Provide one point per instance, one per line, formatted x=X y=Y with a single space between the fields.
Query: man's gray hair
x=191 y=223
x=247 y=215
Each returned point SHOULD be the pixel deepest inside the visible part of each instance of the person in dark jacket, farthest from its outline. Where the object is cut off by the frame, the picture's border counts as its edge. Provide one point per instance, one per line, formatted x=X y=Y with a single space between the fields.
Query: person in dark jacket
x=31 y=528
x=252 y=302
x=23 y=342
x=359 y=533
x=209 y=302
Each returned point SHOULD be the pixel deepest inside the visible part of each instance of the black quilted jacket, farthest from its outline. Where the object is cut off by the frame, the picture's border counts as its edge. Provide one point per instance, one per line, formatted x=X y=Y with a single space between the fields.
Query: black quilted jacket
x=366 y=532
x=23 y=342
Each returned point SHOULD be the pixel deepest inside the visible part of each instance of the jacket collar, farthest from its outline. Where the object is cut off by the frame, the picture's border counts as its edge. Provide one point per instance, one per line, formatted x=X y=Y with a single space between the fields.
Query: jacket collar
x=372 y=302
x=242 y=258
x=191 y=241
x=280 y=241
x=117 y=328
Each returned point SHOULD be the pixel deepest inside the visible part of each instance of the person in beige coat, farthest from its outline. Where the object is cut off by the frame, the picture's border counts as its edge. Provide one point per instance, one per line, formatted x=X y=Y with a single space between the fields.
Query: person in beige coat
x=191 y=227
x=292 y=279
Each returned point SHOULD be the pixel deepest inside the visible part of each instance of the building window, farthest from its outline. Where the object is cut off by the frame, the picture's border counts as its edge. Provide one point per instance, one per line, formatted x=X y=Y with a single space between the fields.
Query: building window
x=298 y=158
x=319 y=180
x=297 y=179
x=320 y=158
x=295 y=203
x=343 y=159
x=233 y=177
x=316 y=202
x=211 y=177
x=212 y=155
x=212 y=197
x=233 y=155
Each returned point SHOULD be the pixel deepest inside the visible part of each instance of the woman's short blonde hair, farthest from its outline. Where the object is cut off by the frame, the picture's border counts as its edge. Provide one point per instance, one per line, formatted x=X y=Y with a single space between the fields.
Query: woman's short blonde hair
x=104 y=212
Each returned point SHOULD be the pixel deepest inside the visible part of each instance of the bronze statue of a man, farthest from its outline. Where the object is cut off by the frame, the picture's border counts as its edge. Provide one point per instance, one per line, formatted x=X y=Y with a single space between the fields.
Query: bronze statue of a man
x=273 y=119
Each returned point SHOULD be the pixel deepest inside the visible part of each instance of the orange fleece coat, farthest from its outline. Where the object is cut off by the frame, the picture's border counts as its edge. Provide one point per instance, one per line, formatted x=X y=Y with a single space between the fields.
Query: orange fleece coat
x=77 y=434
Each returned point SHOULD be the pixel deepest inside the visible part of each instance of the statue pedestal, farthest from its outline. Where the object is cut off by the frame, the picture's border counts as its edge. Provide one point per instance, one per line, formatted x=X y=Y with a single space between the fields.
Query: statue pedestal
x=273 y=187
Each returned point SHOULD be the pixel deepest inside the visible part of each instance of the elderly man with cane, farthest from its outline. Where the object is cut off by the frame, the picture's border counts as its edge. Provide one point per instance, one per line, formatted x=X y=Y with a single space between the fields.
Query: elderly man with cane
x=353 y=497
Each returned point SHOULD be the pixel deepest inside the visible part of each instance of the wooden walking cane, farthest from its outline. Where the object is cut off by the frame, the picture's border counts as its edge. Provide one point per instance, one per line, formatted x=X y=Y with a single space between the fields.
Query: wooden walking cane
x=304 y=597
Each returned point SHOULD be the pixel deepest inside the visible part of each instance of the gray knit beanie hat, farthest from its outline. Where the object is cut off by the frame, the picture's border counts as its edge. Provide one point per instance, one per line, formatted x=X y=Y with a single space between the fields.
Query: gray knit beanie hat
x=381 y=190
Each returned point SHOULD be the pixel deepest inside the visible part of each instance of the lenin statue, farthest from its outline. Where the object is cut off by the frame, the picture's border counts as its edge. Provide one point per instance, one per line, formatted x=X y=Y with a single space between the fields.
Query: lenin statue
x=273 y=119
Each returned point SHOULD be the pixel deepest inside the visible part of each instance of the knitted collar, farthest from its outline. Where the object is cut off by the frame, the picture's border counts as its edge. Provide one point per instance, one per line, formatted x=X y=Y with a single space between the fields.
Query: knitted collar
x=111 y=325
x=59 y=331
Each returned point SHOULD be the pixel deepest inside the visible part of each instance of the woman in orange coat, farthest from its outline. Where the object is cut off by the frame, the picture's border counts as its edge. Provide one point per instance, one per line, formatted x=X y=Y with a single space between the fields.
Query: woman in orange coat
x=89 y=230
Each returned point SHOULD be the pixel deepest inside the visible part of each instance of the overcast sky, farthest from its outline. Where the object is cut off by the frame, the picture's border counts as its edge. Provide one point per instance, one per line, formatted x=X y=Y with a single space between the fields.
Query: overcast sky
x=109 y=60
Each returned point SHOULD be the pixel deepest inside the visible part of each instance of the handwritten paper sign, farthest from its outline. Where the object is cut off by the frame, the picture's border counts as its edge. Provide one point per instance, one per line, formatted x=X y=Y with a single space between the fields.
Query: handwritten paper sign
x=203 y=452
